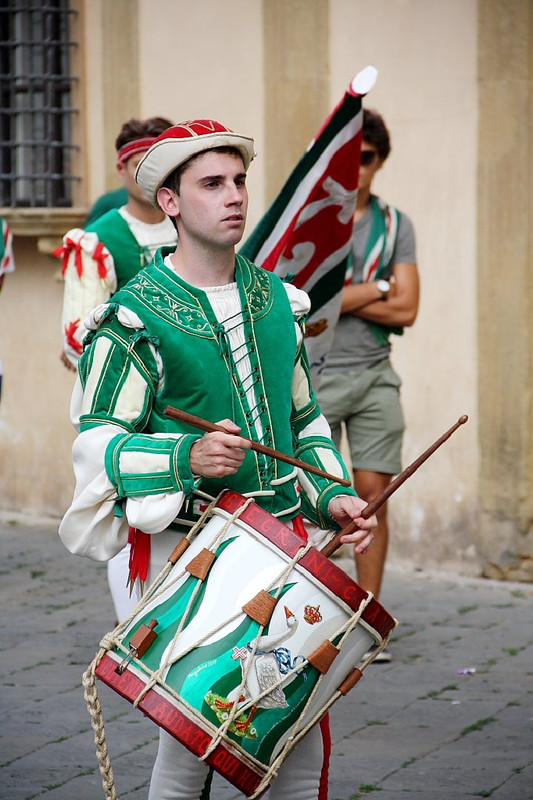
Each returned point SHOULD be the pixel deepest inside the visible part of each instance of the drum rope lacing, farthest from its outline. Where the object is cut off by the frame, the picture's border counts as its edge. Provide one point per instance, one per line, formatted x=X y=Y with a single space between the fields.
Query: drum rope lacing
x=280 y=581
x=297 y=733
x=110 y=640
x=170 y=659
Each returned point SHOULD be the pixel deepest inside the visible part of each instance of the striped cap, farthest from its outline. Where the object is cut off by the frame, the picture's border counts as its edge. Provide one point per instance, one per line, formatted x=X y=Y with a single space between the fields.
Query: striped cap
x=177 y=144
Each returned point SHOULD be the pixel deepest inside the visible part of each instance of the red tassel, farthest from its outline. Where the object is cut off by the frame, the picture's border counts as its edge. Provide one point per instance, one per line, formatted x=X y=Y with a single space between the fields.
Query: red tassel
x=299 y=527
x=64 y=253
x=76 y=246
x=70 y=331
x=139 y=556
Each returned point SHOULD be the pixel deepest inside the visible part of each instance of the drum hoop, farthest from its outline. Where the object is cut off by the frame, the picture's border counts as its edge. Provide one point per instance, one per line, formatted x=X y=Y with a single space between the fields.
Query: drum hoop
x=253 y=769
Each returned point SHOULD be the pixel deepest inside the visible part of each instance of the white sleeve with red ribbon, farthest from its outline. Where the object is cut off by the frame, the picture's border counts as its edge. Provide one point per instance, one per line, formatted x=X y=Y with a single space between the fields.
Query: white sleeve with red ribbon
x=90 y=280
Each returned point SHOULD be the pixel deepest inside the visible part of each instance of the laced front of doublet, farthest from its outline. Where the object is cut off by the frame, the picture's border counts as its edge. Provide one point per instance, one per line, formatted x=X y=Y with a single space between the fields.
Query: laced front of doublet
x=226 y=304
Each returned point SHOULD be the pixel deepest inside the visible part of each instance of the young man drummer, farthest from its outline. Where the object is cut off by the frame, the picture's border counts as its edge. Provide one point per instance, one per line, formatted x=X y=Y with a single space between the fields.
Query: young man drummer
x=204 y=330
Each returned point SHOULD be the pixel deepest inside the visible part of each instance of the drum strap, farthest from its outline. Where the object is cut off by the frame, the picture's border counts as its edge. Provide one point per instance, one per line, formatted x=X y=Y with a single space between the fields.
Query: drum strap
x=326 y=744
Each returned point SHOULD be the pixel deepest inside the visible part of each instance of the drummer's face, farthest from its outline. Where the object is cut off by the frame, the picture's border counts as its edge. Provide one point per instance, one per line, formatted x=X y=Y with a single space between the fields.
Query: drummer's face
x=213 y=199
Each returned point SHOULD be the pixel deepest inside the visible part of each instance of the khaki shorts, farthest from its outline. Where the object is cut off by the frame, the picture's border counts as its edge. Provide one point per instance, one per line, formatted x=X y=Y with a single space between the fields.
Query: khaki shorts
x=367 y=401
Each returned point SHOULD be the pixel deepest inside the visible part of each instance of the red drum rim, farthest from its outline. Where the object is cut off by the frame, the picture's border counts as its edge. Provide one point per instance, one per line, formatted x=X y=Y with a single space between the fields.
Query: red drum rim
x=173 y=716
x=314 y=562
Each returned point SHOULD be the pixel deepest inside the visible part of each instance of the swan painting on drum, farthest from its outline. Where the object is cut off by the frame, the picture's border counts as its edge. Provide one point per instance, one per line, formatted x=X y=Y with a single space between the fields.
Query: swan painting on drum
x=263 y=664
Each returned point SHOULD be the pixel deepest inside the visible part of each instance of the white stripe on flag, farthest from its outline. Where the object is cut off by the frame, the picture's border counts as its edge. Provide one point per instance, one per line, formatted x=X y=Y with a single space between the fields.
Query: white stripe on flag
x=303 y=254
x=392 y=229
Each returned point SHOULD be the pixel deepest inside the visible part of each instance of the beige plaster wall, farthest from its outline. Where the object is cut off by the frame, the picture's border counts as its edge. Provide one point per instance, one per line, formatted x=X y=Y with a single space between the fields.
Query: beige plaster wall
x=205 y=60
x=505 y=197
x=425 y=52
x=226 y=83
x=296 y=80
x=35 y=432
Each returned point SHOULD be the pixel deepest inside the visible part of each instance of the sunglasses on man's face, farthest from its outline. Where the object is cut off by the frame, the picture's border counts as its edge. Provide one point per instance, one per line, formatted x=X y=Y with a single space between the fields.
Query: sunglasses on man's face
x=368 y=157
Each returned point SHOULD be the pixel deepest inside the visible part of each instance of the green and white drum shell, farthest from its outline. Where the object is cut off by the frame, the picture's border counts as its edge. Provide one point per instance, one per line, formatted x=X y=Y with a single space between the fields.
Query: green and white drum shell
x=210 y=655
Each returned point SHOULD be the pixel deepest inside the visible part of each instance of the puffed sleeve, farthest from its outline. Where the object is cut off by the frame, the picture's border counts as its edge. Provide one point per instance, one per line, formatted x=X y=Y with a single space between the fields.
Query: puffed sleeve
x=124 y=476
x=90 y=280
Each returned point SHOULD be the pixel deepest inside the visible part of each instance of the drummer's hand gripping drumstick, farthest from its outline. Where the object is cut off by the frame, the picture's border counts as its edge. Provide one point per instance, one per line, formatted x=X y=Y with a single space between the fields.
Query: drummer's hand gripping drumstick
x=373 y=506
x=210 y=427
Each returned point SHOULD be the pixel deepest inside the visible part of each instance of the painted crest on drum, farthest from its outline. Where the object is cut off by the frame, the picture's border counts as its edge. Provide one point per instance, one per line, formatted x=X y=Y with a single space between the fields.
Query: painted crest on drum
x=263 y=664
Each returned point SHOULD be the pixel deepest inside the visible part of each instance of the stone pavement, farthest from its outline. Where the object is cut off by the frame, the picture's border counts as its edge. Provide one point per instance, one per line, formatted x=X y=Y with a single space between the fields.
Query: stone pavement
x=413 y=728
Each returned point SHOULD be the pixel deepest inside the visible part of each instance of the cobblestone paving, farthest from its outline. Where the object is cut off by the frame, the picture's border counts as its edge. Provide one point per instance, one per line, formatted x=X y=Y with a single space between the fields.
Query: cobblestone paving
x=414 y=728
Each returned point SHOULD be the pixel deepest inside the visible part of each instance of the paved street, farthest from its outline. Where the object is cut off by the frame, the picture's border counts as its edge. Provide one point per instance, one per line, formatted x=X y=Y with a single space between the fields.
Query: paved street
x=412 y=728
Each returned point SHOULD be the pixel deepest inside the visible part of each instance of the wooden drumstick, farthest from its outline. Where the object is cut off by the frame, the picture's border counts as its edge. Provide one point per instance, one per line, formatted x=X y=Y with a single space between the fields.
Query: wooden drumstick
x=373 y=506
x=210 y=427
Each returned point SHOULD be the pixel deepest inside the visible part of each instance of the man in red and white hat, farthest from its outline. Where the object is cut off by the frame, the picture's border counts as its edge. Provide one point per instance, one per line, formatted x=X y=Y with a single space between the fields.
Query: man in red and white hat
x=204 y=330
x=103 y=257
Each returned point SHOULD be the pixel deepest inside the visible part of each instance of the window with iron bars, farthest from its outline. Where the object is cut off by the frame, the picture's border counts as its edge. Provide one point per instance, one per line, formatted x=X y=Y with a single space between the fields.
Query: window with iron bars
x=36 y=110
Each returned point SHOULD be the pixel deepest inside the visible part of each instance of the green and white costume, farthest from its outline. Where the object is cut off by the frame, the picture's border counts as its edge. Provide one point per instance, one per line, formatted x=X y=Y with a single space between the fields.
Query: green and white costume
x=101 y=259
x=228 y=352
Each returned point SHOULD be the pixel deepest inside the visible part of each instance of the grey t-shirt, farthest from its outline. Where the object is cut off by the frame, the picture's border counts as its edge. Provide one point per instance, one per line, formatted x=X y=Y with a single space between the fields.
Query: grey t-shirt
x=354 y=345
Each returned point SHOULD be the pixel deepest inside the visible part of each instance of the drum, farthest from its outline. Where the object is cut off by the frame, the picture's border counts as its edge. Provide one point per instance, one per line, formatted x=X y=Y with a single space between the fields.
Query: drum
x=242 y=644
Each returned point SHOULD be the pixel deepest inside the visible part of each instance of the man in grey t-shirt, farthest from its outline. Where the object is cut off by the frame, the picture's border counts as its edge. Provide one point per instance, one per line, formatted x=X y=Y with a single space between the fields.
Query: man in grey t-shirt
x=359 y=386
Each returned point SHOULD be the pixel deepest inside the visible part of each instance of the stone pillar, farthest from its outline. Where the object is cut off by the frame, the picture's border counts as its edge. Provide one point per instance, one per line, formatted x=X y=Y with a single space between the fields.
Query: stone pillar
x=505 y=288
x=296 y=42
x=120 y=74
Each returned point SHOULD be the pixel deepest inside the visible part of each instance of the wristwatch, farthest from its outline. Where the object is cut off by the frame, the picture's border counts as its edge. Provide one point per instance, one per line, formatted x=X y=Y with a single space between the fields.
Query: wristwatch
x=384 y=288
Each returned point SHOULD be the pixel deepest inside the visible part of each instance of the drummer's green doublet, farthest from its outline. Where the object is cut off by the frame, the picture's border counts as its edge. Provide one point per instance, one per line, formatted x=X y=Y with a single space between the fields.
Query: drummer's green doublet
x=200 y=375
